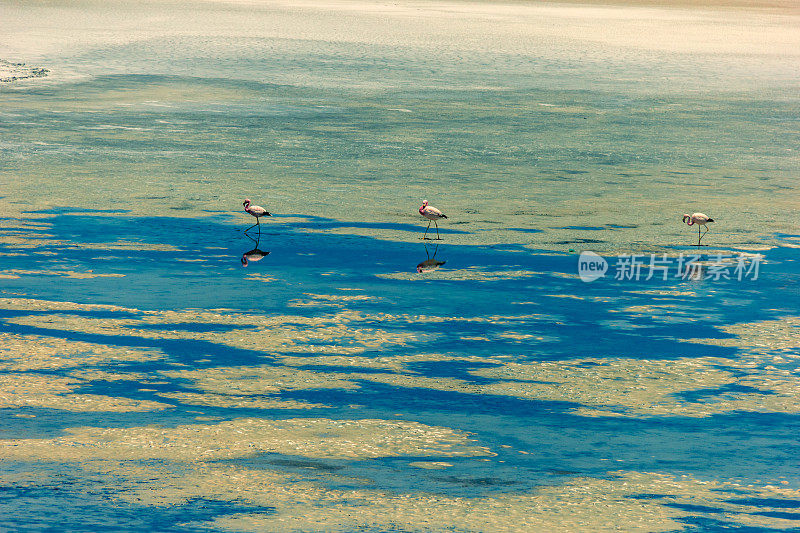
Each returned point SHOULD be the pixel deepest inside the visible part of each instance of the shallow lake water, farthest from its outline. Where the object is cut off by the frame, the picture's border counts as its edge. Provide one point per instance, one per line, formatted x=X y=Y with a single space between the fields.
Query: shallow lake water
x=162 y=370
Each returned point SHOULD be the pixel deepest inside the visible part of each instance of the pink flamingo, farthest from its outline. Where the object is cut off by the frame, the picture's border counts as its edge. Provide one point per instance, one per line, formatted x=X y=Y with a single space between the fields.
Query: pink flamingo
x=257 y=211
x=432 y=214
x=701 y=220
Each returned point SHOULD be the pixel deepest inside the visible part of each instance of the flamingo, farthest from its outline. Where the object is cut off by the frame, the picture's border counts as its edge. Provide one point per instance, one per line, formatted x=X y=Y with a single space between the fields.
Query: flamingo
x=701 y=220
x=432 y=214
x=257 y=211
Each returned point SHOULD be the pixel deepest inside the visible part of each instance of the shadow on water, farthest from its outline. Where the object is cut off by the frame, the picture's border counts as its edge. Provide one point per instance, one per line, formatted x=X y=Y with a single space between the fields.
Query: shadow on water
x=194 y=258
x=322 y=223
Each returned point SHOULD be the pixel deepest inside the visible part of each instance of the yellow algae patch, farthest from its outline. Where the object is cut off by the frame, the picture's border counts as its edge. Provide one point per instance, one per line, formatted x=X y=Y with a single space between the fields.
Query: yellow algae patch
x=664 y=312
x=133 y=246
x=246 y=437
x=629 y=387
x=602 y=387
x=664 y=292
x=582 y=504
x=328 y=334
x=625 y=386
x=259 y=379
x=615 y=387
x=323 y=300
x=273 y=379
x=586 y=505
x=430 y=465
x=23 y=211
x=260 y=277
x=397 y=363
x=767 y=337
x=650 y=309
x=37 y=352
x=619 y=387
x=100 y=375
x=238 y=402
x=428 y=319
x=511 y=335
x=71 y=274
x=50 y=392
x=29 y=304
x=341 y=297
x=42 y=241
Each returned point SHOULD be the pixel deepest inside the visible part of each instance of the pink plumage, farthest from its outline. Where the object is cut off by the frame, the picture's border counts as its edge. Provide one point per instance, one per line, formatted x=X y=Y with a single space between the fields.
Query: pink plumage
x=257 y=211
x=432 y=214
x=701 y=219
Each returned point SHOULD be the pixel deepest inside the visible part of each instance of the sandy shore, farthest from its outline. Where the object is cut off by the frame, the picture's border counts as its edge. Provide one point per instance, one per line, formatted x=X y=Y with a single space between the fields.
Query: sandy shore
x=783 y=5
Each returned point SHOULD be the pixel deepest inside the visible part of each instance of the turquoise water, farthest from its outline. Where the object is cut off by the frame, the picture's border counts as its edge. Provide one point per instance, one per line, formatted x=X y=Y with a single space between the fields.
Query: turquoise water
x=150 y=380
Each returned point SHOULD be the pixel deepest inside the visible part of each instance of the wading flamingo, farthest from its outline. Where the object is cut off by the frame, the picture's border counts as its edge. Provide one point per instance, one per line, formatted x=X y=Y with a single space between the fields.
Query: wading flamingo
x=432 y=214
x=701 y=220
x=257 y=211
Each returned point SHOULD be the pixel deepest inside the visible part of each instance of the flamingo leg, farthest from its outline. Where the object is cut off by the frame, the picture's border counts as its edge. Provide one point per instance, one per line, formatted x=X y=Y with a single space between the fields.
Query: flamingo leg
x=258 y=223
x=704 y=233
x=437 y=231
x=426 y=230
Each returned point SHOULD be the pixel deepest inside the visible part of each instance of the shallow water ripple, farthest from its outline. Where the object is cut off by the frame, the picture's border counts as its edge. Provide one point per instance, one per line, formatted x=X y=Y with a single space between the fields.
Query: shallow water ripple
x=351 y=391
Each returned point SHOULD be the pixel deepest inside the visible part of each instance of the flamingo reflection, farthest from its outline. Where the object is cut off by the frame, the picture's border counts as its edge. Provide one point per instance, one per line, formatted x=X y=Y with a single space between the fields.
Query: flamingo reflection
x=431 y=263
x=255 y=254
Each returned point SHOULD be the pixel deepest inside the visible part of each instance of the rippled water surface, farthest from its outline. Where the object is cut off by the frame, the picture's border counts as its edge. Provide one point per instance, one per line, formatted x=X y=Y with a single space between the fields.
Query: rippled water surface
x=161 y=370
